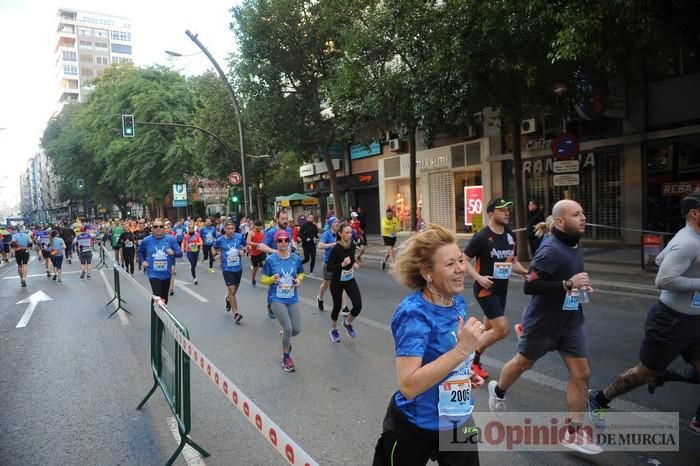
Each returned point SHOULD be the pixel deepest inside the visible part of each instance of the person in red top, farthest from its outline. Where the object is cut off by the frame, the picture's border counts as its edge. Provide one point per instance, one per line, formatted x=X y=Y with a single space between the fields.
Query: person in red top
x=257 y=256
x=191 y=245
x=360 y=238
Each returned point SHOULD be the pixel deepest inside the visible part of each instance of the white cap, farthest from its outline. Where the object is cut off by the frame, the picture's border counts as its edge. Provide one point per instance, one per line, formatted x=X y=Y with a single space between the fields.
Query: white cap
x=353 y=214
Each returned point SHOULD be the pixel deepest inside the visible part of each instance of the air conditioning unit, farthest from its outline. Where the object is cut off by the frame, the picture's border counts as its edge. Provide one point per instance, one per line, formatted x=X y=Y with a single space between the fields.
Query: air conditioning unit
x=394 y=144
x=528 y=126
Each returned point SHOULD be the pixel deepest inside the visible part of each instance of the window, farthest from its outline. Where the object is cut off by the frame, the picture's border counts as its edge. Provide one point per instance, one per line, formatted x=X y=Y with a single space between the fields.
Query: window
x=69 y=56
x=100 y=33
x=101 y=45
x=84 y=31
x=86 y=44
x=70 y=69
x=101 y=60
x=85 y=58
x=86 y=72
x=120 y=60
x=120 y=48
x=120 y=35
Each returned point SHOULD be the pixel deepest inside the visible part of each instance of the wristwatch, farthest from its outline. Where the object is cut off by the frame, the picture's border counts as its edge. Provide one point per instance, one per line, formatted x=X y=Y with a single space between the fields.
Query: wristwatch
x=568 y=284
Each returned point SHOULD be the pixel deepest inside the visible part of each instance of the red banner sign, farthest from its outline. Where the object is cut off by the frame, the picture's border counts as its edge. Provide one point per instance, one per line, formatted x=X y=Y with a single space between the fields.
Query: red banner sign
x=473 y=204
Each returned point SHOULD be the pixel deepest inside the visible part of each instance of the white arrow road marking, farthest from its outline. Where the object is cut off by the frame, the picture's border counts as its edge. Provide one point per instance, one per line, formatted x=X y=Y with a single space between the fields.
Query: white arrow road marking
x=181 y=284
x=32 y=300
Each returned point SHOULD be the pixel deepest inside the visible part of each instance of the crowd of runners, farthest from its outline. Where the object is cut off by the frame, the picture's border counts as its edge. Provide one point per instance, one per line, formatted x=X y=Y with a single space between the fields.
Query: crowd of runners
x=439 y=341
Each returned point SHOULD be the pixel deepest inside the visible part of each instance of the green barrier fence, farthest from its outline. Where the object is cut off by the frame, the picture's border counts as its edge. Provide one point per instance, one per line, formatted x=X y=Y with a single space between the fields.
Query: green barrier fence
x=171 y=372
x=117 y=290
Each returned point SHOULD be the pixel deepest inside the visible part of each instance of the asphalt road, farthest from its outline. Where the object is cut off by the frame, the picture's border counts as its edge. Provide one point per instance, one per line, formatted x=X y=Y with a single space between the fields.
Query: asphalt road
x=71 y=379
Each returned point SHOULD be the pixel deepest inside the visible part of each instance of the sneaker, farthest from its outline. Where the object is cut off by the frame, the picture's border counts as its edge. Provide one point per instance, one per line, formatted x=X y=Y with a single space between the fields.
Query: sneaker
x=695 y=425
x=595 y=411
x=24 y=283
x=228 y=306
x=253 y=283
x=196 y=282
x=348 y=329
x=55 y=277
x=238 y=317
x=88 y=276
x=345 y=311
x=59 y=279
x=82 y=275
x=69 y=261
x=48 y=274
x=496 y=404
x=334 y=335
x=383 y=266
x=479 y=370
x=172 y=293
x=211 y=270
x=288 y=364
x=319 y=301
x=580 y=441
x=518 y=329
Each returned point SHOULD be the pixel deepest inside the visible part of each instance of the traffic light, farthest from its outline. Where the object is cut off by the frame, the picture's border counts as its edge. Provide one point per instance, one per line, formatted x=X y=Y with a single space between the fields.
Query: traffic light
x=234 y=196
x=80 y=183
x=128 y=126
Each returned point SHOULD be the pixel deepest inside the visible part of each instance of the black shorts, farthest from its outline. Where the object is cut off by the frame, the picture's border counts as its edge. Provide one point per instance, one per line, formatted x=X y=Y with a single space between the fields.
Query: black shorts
x=258 y=260
x=116 y=247
x=21 y=256
x=233 y=278
x=85 y=257
x=389 y=240
x=573 y=342
x=668 y=334
x=45 y=253
x=494 y=305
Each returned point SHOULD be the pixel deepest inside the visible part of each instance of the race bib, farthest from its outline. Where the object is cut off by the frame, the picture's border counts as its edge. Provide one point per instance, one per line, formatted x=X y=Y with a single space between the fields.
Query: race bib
x=233 y=258
x=128 y=244
x=347 y=275
x=285 y=291
x=209 y=238
x=194 y=247
x=502 y=270
x=695 y=303
x=571 y=301
x=455 y=394
x=160 y=265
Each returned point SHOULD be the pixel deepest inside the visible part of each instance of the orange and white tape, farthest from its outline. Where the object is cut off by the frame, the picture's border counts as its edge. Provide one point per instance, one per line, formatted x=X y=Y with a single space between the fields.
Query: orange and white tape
x=284 y=445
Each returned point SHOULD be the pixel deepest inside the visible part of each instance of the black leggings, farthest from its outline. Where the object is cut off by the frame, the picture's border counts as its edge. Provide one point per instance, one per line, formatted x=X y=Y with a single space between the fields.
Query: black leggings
x=160 y=288
x=208 y=254
x=353 y=291
x=128 y=255
x=309 y=254
x=193 y=257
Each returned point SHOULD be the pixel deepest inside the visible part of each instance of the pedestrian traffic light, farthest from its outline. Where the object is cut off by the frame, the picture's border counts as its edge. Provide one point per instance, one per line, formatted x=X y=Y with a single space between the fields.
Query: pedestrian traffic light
x=80 y=183
x=128 y=126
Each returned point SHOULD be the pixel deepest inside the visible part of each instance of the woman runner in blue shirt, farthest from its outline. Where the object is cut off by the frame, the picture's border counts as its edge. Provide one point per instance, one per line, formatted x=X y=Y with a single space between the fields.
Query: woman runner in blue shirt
x=435 y=344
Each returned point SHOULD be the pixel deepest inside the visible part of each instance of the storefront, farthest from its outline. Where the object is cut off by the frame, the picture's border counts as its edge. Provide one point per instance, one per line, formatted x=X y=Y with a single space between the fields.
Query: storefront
x=364 y=192
x=441 y=175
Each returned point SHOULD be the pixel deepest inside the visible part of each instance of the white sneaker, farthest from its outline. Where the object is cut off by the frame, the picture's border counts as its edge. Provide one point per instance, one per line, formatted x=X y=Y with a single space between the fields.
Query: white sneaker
x=496 y=404
x=195 y=281
x=581 y=442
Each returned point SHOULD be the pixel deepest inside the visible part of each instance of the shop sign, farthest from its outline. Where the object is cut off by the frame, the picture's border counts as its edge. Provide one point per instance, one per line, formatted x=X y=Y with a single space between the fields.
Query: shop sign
x=474 y=206
x=358 y=151
x=538 y=144
x=565 y=166
x=306 y=170
x=680 y=188
x=541 y=165
x=568 y=179
x=311 y=201
x=321 y=167
x=365 y=179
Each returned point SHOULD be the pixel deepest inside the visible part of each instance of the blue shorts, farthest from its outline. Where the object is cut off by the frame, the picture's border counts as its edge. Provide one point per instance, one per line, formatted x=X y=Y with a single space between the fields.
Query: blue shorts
x=57 y=261
x=233 y=278
x=493 y=305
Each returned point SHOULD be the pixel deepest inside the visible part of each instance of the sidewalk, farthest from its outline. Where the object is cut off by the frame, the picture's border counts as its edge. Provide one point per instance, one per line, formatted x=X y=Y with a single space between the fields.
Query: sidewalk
x=614 y=268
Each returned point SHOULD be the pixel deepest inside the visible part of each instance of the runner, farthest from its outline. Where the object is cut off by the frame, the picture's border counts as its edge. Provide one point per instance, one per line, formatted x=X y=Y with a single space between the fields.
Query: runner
x=172 y=261
x=155 y=252
x=43 y=248
x=496 y=258
x=283 y=271
x=268 y=246
x=435 y=342
x=140 y=234
x=208 y=233
x=56 y=252
x=360 y=237
x=672 y=325
x=342 y=266
x=553 y=321
x=326 y=243
x=84 y=242
x=68 y=235
x=116 y=245
x=308 y=234
x=191 y=243
x=257 y=257
x=390 y=226
x=229 y=246
x=6 y=236
x=22 y=245
x=127 y=243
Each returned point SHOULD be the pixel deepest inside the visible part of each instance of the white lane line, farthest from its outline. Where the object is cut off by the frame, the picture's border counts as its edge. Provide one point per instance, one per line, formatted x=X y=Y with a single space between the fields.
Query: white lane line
x=192 y=456
x=16 y=277
x=181 y=284
x=122 y=316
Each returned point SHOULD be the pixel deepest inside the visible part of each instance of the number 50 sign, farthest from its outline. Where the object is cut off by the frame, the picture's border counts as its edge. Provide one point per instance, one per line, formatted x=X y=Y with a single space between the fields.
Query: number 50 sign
x=473 y=205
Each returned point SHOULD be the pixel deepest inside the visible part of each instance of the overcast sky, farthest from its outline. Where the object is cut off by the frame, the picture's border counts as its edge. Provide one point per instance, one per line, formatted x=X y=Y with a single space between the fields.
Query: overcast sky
x=28 y=36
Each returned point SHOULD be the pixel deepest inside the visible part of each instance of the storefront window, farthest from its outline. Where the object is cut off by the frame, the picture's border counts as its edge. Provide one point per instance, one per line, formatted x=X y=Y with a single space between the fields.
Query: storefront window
x=398 y=197
x=461 y=180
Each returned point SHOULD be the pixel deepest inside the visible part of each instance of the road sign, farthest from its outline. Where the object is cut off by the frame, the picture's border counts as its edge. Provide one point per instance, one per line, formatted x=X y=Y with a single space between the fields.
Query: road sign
x=234 y=178
x=565 y=166
x=473 y=205
x=180 y=195
x=32 y=300
x=565 y=146
x=568 y=179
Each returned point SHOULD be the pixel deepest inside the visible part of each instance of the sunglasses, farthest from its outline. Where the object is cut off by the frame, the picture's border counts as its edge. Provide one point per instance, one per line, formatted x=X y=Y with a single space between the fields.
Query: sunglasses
x=283 y=240
x=157 y=226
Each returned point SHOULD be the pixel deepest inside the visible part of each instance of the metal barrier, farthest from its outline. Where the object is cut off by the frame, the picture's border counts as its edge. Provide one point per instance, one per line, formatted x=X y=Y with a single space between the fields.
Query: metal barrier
x=102 y=262
x=117 y=287
x=171 y=371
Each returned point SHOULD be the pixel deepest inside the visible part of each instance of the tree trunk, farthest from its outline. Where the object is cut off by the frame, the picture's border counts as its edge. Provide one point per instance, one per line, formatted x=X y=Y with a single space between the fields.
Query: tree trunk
x=520 y=205
x=412 y=176
x=261 y=213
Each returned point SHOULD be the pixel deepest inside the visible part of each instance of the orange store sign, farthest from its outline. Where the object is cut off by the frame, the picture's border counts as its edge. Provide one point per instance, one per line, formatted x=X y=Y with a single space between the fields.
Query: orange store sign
x=680 y=188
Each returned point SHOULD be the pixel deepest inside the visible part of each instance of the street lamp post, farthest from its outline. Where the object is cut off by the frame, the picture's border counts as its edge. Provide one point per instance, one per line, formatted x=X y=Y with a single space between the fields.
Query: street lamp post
x=237 y=111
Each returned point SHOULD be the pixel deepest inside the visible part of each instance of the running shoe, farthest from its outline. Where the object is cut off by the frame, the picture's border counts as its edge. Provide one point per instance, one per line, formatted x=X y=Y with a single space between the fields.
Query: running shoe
x=196 y=282
x=496 y=404
x=348 y=329
x=211 y=271
x=345 y=311
x=82 y=275
x=69 y=261
x=581 y=442
x=24 y=283
x=253 y=283
x=479 y=370
x=48 y=274
x=88 y=276
x=595 y=411
x=238 y=317
x=319 y=301
x=695 y=425
x=55 y=276
x=172 y=292
x=59 y=279
x=288 y=364
x=383 y=266
x=334 y=335
x=228 y=306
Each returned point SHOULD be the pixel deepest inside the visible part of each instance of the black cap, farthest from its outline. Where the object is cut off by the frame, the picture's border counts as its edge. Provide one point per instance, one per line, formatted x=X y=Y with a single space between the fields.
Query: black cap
x=497 y=203
x=691 y=201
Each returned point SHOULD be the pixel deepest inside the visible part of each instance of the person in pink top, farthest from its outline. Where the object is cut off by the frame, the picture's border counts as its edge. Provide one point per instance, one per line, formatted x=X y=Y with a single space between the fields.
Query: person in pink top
x=191 y=245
